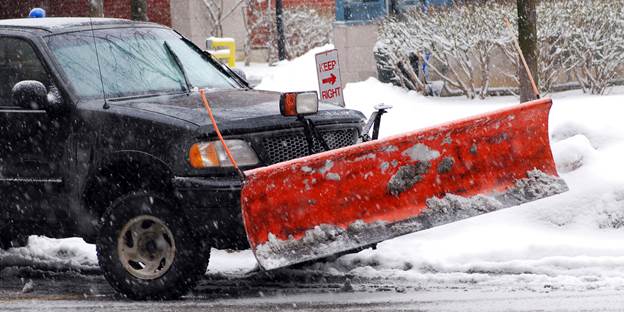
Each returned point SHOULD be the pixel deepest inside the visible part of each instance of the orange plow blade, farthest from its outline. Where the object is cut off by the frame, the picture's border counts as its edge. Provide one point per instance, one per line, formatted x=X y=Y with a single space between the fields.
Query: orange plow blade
x=346 y=199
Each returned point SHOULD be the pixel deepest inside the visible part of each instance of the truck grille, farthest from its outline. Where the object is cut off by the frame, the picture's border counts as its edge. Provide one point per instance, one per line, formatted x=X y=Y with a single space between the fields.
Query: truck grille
x=287 y=147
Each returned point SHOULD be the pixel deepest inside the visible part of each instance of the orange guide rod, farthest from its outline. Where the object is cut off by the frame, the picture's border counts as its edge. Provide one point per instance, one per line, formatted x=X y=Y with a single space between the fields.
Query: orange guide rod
x=526 y=66
x=202 y=94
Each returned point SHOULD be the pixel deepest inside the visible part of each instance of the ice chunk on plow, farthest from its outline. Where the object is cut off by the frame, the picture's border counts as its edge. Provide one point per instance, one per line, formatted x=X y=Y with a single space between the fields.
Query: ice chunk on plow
x=341 y=200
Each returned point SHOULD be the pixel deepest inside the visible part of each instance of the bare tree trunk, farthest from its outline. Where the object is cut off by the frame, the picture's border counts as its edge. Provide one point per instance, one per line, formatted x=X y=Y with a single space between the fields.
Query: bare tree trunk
x=96 y=8
x=139 y=10
x=214 y=8
x=219 y=25
x=527 y=38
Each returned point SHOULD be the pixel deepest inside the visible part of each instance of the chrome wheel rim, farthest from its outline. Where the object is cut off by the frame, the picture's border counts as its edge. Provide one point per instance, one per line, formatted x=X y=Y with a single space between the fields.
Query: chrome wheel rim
x=146 y=247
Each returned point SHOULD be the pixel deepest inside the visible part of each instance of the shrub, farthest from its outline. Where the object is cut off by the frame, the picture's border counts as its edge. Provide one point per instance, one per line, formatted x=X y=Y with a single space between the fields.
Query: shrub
x=581 y=39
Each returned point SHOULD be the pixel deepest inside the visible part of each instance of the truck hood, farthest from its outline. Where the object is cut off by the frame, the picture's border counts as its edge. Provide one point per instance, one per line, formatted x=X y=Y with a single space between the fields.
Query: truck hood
x=239 y=111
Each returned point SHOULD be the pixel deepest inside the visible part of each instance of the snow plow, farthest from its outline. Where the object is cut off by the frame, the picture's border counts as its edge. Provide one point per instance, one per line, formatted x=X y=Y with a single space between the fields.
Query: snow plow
x=350 y=198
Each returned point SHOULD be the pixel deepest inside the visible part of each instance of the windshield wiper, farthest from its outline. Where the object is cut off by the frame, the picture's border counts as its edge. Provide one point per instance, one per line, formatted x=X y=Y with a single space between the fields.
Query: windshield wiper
x=180 y=66
x=227 y=70
x=220 y=66
x=143 y=96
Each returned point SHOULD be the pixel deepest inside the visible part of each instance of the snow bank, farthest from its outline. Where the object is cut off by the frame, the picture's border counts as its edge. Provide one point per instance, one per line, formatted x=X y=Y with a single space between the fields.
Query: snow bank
x=75 y=254
x=410 y=110
x=52 y=254
x=295 y=75
x=231 y=262
x=572 y=153
x=571 y=241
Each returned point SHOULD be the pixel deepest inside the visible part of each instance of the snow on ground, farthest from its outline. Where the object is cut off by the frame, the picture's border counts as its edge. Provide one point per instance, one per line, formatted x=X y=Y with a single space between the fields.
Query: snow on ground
x=255 y=72
x=294 y=75
x=231 y=262
x=571 y=241
x=52 y=254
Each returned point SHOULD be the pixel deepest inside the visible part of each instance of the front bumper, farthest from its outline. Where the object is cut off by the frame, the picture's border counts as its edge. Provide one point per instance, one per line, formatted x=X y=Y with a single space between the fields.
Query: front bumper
x=212 y=205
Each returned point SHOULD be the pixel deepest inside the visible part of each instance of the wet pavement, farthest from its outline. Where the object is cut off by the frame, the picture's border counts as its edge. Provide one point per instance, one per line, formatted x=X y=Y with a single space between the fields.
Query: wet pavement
x=28 y=289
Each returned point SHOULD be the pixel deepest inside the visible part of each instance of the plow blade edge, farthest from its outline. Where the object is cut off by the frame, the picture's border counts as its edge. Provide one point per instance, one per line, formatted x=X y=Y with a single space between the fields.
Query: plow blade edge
x=341 y=200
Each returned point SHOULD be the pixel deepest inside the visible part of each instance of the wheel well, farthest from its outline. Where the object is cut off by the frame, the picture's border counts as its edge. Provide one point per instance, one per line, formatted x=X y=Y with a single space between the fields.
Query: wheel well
x=124 y=175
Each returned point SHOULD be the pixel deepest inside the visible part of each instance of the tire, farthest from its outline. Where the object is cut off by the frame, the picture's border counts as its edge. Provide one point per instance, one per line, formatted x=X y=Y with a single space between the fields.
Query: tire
x=146 y=251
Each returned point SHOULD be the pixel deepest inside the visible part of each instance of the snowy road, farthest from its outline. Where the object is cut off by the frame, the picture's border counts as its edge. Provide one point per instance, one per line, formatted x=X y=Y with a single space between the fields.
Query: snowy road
x=306 y=291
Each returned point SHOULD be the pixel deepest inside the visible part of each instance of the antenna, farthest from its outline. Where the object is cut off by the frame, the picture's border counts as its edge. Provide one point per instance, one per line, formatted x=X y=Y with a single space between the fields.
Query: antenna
x=97 y=59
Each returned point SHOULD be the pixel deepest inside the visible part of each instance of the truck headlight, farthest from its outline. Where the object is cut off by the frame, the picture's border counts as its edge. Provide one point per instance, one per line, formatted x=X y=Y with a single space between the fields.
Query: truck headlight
x=212 y=154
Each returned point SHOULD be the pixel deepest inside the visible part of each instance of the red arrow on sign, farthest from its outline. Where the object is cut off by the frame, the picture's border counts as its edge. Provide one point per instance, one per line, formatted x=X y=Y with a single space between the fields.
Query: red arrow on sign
x=331 y=79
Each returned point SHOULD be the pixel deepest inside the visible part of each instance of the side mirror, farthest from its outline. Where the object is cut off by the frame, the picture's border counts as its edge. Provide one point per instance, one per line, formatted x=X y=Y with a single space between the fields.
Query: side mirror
x=299 y=103
x=30 y=94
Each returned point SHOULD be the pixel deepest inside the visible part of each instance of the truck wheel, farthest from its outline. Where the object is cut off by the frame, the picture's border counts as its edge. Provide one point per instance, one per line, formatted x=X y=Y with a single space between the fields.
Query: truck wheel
x=146 y=251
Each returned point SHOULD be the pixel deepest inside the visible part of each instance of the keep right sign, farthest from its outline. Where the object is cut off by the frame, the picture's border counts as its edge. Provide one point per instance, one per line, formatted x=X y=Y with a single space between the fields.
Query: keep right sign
x=328 y=73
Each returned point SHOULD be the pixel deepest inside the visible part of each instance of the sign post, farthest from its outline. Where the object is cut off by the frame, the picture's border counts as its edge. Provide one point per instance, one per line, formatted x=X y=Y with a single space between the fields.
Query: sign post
x=328 y=73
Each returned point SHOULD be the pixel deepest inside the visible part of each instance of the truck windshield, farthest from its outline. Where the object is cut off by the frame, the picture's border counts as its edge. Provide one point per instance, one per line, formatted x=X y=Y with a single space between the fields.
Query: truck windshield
x=134 y=62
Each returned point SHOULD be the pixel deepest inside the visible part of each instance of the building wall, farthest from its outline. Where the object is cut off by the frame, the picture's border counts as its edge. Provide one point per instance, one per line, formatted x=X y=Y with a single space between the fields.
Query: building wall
x=355 y=43
x=158 y=11
x=234 y=25
x=21 y=8
x=327 y=7
x=190 y=18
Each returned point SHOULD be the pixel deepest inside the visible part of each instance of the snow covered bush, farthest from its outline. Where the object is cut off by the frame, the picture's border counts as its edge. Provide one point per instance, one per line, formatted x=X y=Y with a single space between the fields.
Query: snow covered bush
x=459 y=40
x=399 y=69
x=466 y=46
x=304 y=28
x=596 y=42
x=583 y=40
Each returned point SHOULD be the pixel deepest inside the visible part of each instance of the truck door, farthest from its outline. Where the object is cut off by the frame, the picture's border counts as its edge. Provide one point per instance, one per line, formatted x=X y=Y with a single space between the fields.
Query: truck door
x=32 y=142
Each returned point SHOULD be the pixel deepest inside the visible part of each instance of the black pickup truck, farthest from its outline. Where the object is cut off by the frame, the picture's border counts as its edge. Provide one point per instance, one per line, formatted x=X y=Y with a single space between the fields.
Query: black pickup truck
x=98 y=118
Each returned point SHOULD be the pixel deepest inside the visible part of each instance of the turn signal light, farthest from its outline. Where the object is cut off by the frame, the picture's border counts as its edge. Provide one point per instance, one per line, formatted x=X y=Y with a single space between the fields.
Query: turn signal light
x=212 y=154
